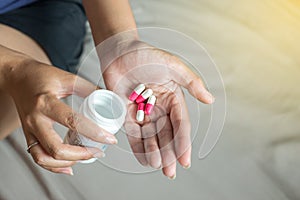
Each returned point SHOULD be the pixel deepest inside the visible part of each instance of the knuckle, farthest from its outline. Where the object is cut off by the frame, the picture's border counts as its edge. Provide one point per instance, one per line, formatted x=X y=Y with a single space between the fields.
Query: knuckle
x=134 y=135
x=40 y=101
x=56 y=153
x=137 y=148
x=40 y=160
x=151 y=147
x=148 y=134
x=171 y=98
x=174 y=103
x=87 y=156
x=28 y=120
x=163 y=135
x=72 y=120
x=167 y=148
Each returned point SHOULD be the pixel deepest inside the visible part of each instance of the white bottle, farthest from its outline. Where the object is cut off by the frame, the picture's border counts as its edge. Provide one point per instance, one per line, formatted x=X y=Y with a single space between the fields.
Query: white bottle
x=107 y=110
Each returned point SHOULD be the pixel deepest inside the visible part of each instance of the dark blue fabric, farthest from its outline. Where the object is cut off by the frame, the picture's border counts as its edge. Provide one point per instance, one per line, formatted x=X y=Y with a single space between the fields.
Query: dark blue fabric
x=8 y=5
x=58 y=26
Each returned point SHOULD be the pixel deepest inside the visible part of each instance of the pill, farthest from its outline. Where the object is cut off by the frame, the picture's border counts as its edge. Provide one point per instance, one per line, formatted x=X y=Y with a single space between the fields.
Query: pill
x=136 y=92
x=145 y=95
x=140 y=112
x=150 y=104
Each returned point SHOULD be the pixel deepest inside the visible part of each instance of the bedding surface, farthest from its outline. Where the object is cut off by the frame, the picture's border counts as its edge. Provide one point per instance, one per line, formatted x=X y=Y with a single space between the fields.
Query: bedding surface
x=255 y=45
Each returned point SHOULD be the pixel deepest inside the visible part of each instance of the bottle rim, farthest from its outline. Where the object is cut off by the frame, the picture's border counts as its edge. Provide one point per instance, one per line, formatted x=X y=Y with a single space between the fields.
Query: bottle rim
x=104 y=97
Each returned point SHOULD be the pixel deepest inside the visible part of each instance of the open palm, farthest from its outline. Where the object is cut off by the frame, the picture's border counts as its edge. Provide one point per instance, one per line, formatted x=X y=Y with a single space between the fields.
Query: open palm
x=164 y=136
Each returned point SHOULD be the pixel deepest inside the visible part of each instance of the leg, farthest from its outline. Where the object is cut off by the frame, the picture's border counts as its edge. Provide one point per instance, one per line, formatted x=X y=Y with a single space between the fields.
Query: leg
x=17 y=41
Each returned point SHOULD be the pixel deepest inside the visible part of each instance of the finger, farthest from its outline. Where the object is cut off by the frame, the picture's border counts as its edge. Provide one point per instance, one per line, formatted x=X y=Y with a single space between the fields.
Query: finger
x=134 y=135
x=188 y=79
x=83 y=87
x=151 y=146
x=66 y=170
x=166 y=144
x=76 y=85
x=181 y=130
x=63 y=114
x=53 y=144
x=46 y=161
x=30 y=138
x=169 y=170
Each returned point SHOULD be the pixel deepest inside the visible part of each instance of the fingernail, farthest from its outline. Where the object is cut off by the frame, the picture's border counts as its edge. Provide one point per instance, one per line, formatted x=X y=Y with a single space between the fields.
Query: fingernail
x=210 y=97
x=68 y=171
x=172 y=177
x=142 y=161
x=99 y=155
x=154 y=161
x=156 y=165
x=187 y=166
x=111 y=140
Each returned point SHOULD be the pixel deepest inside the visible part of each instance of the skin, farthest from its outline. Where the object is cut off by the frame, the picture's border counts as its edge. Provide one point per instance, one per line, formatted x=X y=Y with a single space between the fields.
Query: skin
x=170 y=129
x=164 y=136
x=31 y=87
x=35 y=89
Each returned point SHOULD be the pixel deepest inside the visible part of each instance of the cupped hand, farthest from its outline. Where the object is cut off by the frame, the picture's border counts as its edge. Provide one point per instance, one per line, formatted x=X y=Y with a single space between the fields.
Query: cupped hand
x=36 y=89
x=164 y=136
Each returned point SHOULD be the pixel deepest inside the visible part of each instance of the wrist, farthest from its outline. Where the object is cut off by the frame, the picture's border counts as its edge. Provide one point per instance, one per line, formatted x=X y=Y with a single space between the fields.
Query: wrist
x=108 y=18
x=118 y=45
x=10 y=67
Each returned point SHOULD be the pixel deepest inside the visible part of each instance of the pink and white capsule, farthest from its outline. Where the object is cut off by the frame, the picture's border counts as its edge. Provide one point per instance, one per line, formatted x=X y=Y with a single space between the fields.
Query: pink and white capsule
x=140 y=112
x=145 y=95
x=150 y=105
x=136 y=92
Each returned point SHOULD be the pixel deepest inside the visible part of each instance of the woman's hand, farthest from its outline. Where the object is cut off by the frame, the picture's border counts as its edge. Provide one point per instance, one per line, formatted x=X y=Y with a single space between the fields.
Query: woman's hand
x=164 y=136
x=36 y=89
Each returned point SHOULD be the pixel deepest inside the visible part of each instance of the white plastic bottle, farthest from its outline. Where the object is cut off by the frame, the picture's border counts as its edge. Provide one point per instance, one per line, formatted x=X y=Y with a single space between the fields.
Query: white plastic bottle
x=107 y=110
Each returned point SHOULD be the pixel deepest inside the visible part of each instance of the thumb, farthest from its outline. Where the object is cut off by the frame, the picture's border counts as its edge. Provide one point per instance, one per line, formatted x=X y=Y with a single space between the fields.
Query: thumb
x=198 y=90
x=193 y=83
x=82 y=87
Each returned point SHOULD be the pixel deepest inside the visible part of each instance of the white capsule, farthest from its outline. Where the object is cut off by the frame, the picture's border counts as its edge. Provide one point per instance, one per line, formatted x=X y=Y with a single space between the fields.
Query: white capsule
x=140 y=88
x=140 y=115
x=146 y=94
x=151 y=100
x=150 y=104
x=136 y=92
